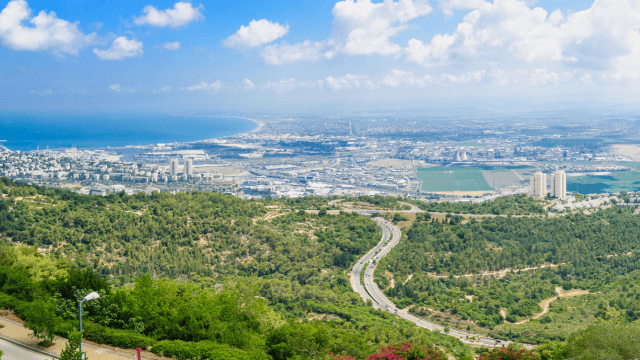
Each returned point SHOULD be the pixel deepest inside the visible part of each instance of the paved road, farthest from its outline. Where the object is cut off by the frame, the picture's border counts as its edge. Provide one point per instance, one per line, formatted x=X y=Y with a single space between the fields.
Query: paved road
x=380 y=301
x=14 y=352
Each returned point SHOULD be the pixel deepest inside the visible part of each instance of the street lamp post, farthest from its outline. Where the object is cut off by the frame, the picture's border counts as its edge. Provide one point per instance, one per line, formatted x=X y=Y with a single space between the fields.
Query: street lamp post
x=93 y=295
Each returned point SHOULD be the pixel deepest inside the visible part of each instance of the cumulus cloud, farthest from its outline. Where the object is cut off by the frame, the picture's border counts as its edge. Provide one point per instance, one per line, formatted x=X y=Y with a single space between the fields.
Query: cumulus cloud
x=360 y=27
x=346 y=82
x=449 y=5
x=603 y=37
x=43 y=32
x=492 y=75
x=285 y=53
x=181 y=14
x=286 y=85
x=41 y=93
x=215 y=86
x=120 y=49
x=171 y=45
x=247 y=84
x=119 y=89
x=256 y=33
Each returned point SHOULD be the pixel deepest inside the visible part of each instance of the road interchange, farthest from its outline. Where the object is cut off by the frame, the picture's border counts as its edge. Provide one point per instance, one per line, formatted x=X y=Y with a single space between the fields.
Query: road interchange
x=370 y=290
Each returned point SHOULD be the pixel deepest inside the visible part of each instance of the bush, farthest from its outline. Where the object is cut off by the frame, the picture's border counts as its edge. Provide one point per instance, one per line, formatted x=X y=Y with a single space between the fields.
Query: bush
x=40 y=317
x=124 y=339
x=507 y=354
x=198 y=350
x=72 y=349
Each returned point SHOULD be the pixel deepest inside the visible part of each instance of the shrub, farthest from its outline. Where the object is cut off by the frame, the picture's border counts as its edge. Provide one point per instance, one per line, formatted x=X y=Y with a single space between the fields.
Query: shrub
x=72 y=349
x=40 y=317
x=401 y=351
x=124 y=339
x=198 y=350
x=507 y=354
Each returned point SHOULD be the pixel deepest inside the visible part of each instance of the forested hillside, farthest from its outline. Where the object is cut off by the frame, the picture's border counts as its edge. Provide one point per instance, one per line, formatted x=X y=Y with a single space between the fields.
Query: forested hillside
x=504 y=205
x=168 y=264
x=465 y=271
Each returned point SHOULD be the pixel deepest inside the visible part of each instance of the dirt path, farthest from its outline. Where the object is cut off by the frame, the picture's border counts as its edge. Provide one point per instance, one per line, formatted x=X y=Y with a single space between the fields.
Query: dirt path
x=562 y=293
x=544 y=304
x=500 y=273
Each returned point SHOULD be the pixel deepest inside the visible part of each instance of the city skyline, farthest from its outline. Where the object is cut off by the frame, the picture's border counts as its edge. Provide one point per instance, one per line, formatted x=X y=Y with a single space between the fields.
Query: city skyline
x=355 y=55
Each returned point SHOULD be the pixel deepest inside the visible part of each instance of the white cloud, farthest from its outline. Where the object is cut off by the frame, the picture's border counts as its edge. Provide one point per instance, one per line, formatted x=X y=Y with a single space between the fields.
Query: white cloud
x=171 y=45
x=41 y=93
x=360 y=27
x=45 y=32
x=163 y=89
x=182 y=14
x=604 y=37
x=257 y=33
x=286 y=85
x=247 y=84
x=449 y=5
x=492 y=75
x=285 y=53
x=120 y=49
x=119 y=89
x=346 y=82
x=215 y=86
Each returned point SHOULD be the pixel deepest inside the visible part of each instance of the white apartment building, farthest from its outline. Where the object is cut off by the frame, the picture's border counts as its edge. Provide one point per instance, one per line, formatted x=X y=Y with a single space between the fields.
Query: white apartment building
x=174 y=166
x=538 y=185
x=188 y=167
x=558 y=182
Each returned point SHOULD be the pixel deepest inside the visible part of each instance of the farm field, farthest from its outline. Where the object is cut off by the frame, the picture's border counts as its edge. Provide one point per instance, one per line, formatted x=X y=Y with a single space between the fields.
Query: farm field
x=617 y=181
x=472 y=179
x=453 y=179
x=502 y=178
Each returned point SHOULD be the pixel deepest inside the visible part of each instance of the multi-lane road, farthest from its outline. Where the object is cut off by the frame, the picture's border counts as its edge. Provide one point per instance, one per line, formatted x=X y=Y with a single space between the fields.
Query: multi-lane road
x=370 y=291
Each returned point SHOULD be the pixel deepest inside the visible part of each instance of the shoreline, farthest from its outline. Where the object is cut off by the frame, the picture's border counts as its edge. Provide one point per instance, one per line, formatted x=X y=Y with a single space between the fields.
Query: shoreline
x=258 y=126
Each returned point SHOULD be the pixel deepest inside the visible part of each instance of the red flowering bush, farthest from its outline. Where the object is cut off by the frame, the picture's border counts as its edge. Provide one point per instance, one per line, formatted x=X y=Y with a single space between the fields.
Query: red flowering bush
x=507 y=354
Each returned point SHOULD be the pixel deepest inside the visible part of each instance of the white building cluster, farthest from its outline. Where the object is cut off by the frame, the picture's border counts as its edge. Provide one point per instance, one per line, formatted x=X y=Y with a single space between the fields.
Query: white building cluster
x=558 y=185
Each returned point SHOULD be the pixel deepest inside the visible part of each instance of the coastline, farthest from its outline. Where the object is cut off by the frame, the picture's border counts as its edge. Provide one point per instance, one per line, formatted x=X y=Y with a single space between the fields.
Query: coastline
x=93 y=144
x=260 y=125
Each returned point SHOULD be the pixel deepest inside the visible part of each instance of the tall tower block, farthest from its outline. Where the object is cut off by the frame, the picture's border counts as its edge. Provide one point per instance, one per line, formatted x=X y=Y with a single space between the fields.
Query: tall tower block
x=538 y=186
x=560 y=184
x=173 y=166
x=188 y=167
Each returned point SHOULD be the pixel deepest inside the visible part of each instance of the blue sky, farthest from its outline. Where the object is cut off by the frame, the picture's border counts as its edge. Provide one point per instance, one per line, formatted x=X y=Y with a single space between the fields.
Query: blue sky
x=237 y=56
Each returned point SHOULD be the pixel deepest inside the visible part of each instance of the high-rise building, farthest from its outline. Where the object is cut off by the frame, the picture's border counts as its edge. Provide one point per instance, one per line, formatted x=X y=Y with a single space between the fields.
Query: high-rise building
x=173 y=166
x=538 y=185
x=188 y=167
x=559 y=185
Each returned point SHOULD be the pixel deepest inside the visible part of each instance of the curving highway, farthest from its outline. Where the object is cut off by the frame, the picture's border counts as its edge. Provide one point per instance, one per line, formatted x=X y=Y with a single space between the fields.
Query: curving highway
x=371 y=291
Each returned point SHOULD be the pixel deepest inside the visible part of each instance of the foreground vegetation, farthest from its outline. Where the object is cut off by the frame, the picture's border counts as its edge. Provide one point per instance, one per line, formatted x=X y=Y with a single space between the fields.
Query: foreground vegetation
x=202 y=275
x=170 y=267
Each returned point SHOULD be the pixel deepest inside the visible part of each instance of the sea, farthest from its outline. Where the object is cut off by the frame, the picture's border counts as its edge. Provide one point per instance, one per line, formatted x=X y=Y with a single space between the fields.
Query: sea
x=30 y=132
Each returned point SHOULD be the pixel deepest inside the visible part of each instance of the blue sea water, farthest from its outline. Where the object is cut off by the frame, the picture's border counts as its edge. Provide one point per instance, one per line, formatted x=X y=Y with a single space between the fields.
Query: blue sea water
x=27 y=132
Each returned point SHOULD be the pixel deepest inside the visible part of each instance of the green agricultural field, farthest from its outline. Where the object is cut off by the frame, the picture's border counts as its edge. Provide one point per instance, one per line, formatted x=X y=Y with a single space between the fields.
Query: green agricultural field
x=617 y=181
x=497 y=179
x=453 y=179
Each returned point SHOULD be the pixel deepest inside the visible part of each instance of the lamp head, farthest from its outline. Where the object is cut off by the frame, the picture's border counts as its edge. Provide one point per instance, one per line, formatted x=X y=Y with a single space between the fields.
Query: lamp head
x=93 y=295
